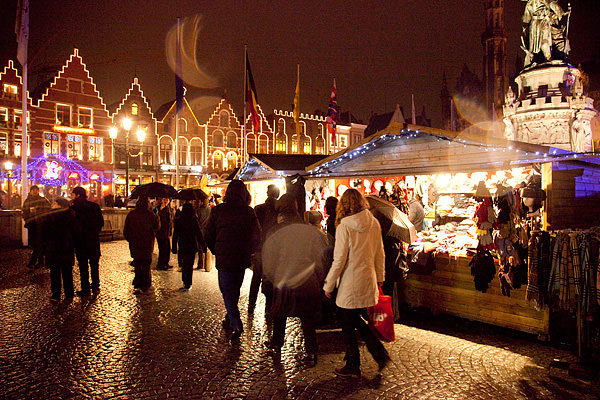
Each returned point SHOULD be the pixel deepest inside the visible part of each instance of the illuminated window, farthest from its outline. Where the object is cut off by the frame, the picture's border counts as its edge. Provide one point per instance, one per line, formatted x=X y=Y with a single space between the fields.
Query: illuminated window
x=134 y=109
x=263 y=144
x=18 y=119
x=342 y=140
x=306 y=144
x=3 y=142
x=319 y=145
x=218 y=161
x=217 y=138
x=250 y=143
x=166 y=150
x=281 y=126
x=18 y=141
x=224 y=119
x=183 y=151
x=63 y=115
x=3 y=117
x=231 y=161
x=146 y=157
x=280 y=143
x=231 y=140
x=196 y=152
x=85 y=117
x=294 y=143
x=51 y=143
x=96 y=149
x=74 y=146
x=11 y=91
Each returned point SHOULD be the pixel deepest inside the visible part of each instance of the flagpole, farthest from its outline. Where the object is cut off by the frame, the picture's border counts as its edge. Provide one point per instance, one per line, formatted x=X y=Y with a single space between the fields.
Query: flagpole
x=177 y=105
x=22 y=32
x=297 y=106
x=244 y=144
x=413 y=111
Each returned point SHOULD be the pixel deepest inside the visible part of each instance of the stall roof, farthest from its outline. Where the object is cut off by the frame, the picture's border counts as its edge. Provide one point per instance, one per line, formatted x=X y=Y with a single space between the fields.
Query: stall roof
x=403 y=149
x=272 y=166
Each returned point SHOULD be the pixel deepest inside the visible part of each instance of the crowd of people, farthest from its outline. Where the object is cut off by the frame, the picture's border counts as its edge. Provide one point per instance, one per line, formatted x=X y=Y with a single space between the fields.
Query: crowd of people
x=319 y=271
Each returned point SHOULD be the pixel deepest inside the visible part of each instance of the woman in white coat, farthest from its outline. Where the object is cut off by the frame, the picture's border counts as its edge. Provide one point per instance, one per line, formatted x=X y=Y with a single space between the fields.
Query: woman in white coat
x=358 y=266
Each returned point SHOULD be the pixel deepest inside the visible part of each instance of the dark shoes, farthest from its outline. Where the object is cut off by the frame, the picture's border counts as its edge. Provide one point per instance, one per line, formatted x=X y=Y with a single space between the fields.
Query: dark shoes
x=162 y=268
x=347 y=372
x=83 y=293
x=236 y=333
x=382 y=363
x=272 y=348
x=226 y=325
x=96 y=290
x=310 y=359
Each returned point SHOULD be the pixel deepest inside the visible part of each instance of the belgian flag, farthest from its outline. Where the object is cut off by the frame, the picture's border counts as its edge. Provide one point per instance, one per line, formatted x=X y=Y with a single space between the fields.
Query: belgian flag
x=251 y=98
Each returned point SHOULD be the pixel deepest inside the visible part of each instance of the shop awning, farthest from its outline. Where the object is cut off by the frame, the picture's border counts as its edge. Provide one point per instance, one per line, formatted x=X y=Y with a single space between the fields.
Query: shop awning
x=272 y=166
x=403 y=149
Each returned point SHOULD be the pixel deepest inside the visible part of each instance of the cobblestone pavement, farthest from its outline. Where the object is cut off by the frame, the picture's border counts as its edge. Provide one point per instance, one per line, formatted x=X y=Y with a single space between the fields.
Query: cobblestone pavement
x=170 y=344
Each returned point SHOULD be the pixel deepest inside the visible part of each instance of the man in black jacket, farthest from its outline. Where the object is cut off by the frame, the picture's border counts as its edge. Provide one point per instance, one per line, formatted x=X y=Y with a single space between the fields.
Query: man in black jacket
x=267 y=217
x=233 y=234
x=87 y=243
x=162 y=234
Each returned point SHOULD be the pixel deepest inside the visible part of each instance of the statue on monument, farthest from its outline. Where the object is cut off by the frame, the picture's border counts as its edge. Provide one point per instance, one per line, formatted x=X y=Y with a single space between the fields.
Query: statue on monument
x=546 y=33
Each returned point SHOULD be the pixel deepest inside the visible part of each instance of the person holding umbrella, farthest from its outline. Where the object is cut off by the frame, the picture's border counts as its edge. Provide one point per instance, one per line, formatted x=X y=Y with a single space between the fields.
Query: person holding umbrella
x=139 y=230
x=163 y=233
x=233 y=235
x=358 y=265
x=187 y=240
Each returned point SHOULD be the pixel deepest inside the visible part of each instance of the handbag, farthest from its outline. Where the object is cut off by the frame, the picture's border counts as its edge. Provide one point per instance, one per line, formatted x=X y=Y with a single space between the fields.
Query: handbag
x=381 y=318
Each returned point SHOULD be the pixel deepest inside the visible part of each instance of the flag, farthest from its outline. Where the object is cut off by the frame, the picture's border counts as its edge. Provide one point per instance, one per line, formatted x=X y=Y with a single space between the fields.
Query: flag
x=22 y=30
x=297 y=106
x=179 y=91
x=251 y=98
x=332 y=114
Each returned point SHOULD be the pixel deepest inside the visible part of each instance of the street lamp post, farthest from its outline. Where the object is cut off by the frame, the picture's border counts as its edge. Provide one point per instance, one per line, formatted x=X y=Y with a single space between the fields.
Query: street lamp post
x=141 y=136
x=8 y=167
x=112 y=132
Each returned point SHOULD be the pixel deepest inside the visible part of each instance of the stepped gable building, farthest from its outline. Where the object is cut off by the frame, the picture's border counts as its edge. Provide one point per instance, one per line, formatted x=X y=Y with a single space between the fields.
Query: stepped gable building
x=71 y=123
x=262 y=142
x=11 y=115
x=143 y=156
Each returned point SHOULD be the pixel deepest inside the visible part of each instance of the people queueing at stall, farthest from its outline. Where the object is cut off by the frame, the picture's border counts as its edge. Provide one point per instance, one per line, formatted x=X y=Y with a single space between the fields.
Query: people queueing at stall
x=87 y=242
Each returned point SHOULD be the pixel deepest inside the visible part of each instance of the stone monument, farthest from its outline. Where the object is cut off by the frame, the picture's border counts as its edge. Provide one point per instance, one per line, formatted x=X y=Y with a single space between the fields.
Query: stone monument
x=550 y=107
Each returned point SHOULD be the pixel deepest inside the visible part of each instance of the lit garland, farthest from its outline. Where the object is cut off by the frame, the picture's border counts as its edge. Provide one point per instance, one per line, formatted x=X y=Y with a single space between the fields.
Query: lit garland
x=56 y=171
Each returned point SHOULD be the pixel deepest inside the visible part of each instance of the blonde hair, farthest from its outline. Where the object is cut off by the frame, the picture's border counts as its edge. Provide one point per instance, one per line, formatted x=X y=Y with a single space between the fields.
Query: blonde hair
x=352 y=202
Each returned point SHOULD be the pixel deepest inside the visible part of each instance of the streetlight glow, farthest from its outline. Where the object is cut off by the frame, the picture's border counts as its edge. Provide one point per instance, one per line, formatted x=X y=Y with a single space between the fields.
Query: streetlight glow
x=126 y=124
x=112 y=132
x=8 y=165
x=141 y=135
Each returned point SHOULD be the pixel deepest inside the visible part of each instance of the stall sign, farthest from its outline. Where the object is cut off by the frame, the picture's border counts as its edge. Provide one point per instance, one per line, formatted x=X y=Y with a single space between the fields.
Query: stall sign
x=52 y=171
x=74 y=176
x=94 y=177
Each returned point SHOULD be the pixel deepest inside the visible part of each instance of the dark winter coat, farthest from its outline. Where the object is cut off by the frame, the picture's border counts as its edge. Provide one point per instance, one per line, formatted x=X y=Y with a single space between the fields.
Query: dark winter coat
x=34 y=206
x=59 y=229
x=139 y=230
x=166 y=223
x=90 y=220
x=187 y=237
x=267 y=216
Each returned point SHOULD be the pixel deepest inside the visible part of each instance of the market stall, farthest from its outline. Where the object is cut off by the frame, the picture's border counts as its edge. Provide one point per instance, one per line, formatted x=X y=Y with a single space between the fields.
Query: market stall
x=458 y=179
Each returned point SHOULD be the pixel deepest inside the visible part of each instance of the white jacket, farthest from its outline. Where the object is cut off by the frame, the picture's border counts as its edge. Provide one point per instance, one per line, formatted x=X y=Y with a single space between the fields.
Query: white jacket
x=358 y=261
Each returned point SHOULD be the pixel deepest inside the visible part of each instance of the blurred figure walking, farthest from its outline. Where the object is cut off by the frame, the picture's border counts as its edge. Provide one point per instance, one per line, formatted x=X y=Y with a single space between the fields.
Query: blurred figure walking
x=358 y=265
x=139 y=230
x=33 y=207
x=233 y=234
x=87 y=242
x=202 y=213
x=187 y=241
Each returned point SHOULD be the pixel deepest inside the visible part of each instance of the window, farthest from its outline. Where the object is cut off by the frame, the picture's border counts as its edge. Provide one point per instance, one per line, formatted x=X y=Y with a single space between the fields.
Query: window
x=18 y=119
x=280 y=143
x=96 y=147
x=231 y=140
x=218 y=161
x=342 y=140
x=231 y=161
x=166 y=150
x=217 y=138
x=18 y=141
x=63 y=115
x=3 y=118
x=11 y=91
x=3 y=142
x=250 y=143
x=134 y=109
x=74 y=146
x=85 y=117
x=306 y=144
x=183 y=151
x=224 y=119
x=146 y=157
x=263 y=144
x=319 y=145
x=51 y=143
x=281 y=126
x=294 y=143
x=195 y=152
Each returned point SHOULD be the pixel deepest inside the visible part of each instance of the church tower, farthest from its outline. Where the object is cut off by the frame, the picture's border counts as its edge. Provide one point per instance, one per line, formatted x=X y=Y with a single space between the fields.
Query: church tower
x=495 y=76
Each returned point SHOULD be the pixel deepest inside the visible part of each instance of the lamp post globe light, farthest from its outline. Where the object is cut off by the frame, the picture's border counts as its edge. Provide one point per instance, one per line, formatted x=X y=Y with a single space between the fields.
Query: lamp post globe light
x=8 y=167
x=141 y=136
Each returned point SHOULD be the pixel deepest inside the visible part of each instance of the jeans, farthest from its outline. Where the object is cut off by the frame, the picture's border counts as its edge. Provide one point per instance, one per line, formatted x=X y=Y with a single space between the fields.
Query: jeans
x=230 y=283
x=308 y=330
x=143 y=277
x=164 y=252
x=62 y=273
x=85 y=272
x=352 y=322
x=186 y=263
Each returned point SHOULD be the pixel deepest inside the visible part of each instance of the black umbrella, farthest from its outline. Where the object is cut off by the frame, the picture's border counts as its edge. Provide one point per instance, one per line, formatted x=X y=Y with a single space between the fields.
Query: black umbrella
x=153 y=190
x=394 y=223
x=191 y=194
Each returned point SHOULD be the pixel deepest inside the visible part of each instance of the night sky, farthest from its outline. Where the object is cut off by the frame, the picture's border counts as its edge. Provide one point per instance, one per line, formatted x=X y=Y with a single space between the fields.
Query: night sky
x=379 y=54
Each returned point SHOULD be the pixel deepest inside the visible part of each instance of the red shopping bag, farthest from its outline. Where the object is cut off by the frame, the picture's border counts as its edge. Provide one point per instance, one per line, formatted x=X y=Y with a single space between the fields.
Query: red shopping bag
x=381 y=318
